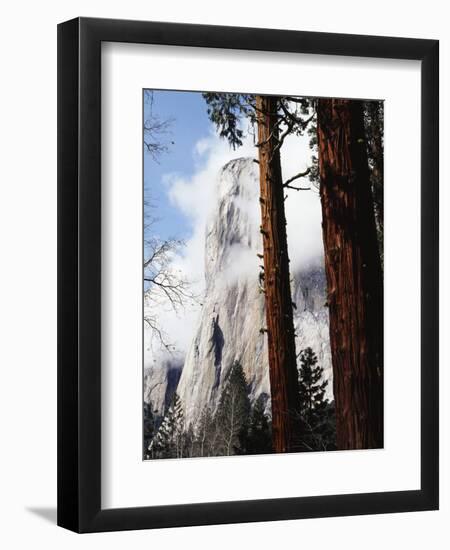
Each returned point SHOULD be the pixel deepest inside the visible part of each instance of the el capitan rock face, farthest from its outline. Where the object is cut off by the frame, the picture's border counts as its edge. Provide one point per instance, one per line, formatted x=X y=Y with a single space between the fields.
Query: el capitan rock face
x=230 y=322
x=160 y=383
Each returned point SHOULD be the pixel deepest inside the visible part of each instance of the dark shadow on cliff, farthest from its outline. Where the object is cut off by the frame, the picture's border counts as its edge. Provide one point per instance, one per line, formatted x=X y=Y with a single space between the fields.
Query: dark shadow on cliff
x=217 y=343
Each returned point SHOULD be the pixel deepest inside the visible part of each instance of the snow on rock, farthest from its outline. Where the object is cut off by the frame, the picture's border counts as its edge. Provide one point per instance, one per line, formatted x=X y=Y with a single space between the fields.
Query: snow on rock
x=160 y=383
x=311 y=318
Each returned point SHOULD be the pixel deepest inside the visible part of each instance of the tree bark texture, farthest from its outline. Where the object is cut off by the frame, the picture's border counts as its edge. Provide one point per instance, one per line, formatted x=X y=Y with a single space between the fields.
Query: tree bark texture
x=279 y=316
x=354 y=275
x=375 y=112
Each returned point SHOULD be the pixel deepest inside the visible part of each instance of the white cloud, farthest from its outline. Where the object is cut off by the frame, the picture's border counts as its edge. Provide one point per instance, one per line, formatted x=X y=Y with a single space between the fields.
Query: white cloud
x=303 y=209
x=203 y=145
x=197 y=195
x=194 y=196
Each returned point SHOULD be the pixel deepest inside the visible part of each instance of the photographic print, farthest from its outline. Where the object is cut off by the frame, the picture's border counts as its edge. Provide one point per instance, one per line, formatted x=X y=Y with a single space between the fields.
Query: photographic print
x=222 y=272
x=262 y=274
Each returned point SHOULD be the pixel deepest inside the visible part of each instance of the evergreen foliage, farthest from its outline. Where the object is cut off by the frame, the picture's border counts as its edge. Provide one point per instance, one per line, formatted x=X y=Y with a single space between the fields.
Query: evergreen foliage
x=316 y=412
x=232 y=413
x=226 y=110
x=148 y=427
x=237 y=427
x=259 y=437
x=312 y=389
x=224 y=432
x=374 y=130
x=169 y=441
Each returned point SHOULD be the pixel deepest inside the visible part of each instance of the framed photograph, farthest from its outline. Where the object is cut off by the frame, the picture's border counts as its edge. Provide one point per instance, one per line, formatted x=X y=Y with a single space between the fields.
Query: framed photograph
x=248 y=275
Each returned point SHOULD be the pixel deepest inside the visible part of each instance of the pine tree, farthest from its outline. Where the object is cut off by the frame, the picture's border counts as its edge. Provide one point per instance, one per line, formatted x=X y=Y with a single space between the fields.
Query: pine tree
x=311 y=384
x=169 y=440
x=259 y=438
x=148 y=428
x=317 y=414
x=232 y=413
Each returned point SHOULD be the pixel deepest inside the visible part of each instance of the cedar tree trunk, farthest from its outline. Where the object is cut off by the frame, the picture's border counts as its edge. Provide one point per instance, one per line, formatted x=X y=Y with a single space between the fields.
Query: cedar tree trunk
x=280 y=323
x=354 y=276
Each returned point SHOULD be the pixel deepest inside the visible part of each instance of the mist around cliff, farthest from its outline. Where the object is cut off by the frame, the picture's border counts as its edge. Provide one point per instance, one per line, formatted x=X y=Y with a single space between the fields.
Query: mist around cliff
x=195 y=197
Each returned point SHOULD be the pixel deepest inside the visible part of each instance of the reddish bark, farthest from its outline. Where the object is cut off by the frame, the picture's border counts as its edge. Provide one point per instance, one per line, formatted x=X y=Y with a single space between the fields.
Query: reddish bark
x=280 y=323
x=354 y=276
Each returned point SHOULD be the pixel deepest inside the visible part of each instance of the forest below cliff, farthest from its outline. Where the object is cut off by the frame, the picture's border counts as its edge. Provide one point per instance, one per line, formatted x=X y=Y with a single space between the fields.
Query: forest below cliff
x=284 y=356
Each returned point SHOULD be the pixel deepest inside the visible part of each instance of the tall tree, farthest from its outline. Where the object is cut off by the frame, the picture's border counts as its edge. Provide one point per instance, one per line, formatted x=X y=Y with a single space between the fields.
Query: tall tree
x=311 y=382
x=205 y=433
x=275 y=118
x=148 y=428
x=316 y=411
x=354 y=276
x=374 y=124
x=259 y=438
x=233 y=412
x=169 y=441
x=279 y=316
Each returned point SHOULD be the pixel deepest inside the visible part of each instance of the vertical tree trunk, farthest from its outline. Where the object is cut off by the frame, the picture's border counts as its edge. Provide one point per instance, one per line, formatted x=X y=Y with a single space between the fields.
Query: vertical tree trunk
x=354 y=277
x=280 y=323
x=375 y=111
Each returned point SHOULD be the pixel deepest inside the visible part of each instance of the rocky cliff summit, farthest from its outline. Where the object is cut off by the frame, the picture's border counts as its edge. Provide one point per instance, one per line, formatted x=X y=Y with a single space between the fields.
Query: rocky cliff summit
x=229 y=325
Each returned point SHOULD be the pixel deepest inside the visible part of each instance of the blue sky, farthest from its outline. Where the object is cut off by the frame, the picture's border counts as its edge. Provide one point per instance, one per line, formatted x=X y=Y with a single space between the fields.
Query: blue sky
x=186 y=187
x=190 y=124
x=182 y=184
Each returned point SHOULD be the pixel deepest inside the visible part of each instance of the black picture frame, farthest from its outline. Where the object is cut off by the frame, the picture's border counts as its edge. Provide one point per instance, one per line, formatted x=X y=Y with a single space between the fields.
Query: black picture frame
x=79 y=274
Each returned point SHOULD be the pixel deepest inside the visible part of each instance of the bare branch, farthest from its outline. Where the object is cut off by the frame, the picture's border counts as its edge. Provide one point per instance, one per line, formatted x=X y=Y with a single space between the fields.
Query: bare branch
x=162 y=337
x=155 y=130
x=164 y=284
x=297 y=176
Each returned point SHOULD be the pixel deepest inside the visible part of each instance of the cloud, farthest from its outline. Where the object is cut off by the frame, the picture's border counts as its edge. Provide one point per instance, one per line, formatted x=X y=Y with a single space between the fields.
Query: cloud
x=303 y=209
x=195 y=196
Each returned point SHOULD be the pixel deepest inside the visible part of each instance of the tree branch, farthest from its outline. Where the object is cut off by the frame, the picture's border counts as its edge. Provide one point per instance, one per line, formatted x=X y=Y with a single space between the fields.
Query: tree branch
x=296 y=177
